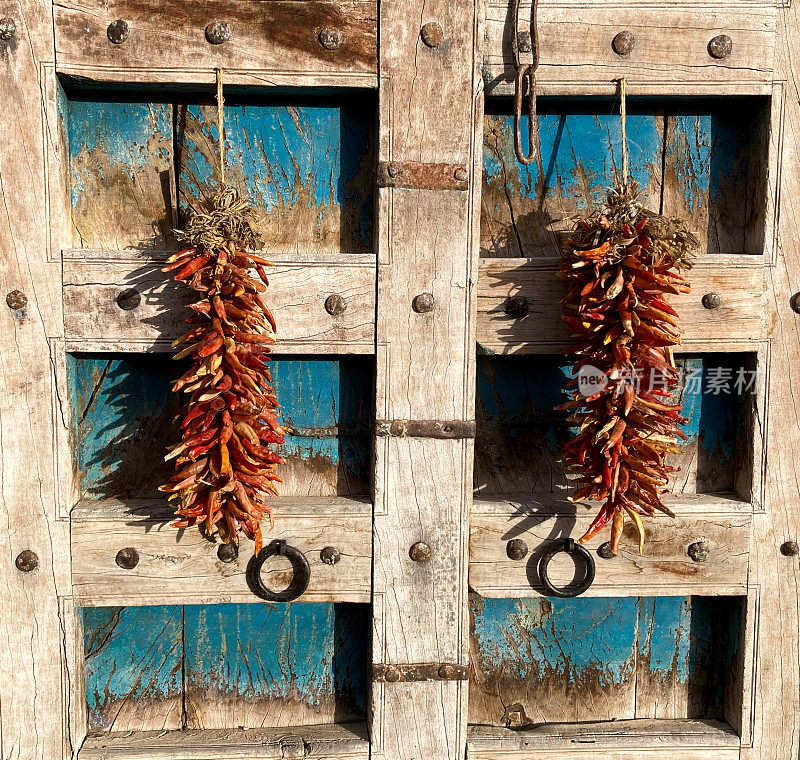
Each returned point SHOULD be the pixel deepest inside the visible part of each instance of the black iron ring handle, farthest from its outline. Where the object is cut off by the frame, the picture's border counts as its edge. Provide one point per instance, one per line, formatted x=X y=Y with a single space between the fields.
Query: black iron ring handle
x=301 y=572
x=569 y=546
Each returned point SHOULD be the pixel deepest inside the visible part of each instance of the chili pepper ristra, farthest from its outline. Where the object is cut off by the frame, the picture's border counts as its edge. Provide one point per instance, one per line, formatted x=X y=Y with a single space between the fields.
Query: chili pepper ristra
x=225 y=461
x=622 y=265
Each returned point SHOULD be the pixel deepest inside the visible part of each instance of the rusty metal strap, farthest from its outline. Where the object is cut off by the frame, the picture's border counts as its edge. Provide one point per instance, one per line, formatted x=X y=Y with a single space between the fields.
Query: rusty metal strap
x=425 y=428
x=419 y=176
x=420 y=671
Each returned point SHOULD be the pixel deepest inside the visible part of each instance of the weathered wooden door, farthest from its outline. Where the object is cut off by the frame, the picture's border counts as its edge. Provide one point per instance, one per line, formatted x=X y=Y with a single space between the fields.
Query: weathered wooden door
x=420 y=357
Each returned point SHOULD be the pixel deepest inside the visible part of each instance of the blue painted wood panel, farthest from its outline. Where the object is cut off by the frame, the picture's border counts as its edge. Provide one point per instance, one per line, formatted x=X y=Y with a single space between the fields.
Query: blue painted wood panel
x=548 y=660
x=520 y=436
x=306 y=164
x=121 y=172
x=691 y=159
x=123 y=422
x=225 y=666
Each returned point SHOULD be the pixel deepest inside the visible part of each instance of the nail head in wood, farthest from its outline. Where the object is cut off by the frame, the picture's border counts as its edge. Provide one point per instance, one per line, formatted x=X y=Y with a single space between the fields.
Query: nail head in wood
x=127 y=558
x=516 y=549
x=331 y=39
x=720 y=46
x=118 y=31
x=420 y=552
x=432 y=34
x=27 y=561
x=711 y=300
x=218 y=32
x=699 y=551
x=460 y=174
x=795 y=303
x=392 y=674
x=423 y=303
x=335 y=305
x=16 y=300
x=129 y=299
x=790 y=549
x=330 y=555
x=227 y=552
x=623 y=43
x=516 y=307
x=8 y=28
x=604 y=551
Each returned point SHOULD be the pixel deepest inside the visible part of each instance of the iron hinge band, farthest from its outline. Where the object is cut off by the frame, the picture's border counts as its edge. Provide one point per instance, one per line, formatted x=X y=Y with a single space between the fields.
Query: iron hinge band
x=425 y=428
x=420 y=671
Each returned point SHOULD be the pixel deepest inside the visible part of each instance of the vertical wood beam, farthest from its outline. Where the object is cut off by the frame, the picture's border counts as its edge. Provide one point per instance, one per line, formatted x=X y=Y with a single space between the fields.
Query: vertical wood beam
x=430 y=111
x=34 y=645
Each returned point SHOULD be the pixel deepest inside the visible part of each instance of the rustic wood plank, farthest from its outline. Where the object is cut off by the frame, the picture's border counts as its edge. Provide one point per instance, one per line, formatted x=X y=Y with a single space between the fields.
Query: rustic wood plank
x=133 y=667
x=36 y=662
x=270 y=43
x=122 y=177
x=94 y=322
x=427 y=243
x=671 y=46
x=665 y=566
x=305 y=162
x=629 y=739
x=331 y=741
x=182 y=567
x=735 y=325
x=262 y=665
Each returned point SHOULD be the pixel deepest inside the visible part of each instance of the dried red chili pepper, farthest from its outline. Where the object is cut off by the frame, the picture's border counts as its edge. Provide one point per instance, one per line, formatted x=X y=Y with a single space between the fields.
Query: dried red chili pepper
x=621 y=266
x=225 y=464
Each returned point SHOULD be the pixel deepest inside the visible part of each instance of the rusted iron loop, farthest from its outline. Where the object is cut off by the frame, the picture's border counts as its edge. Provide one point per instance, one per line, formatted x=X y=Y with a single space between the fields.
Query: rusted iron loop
x=525 y=72
x=300 y=567
x=567 y=545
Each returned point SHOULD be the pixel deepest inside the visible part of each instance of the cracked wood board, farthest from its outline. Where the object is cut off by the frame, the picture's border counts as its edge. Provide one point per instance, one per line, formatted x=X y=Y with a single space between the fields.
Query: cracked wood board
x=274 y=43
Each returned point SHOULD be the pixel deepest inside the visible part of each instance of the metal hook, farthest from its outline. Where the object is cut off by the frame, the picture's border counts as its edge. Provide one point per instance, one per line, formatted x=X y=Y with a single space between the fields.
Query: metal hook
x=525 y=71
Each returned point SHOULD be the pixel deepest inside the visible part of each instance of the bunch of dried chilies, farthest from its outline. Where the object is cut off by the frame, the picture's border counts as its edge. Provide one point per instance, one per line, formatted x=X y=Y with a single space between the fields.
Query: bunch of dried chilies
x=622 y=265
x=225 y=461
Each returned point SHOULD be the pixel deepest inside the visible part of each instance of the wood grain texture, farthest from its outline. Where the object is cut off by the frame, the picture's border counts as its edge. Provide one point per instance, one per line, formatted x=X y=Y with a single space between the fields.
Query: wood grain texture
x=94 y=322
x=268 y=41
x=181 y=566
x=671 y=46
x=622 y=740
x=735 y=325
x=427 y=242
x=665 y=567
x=336 y=742
x=35 y=681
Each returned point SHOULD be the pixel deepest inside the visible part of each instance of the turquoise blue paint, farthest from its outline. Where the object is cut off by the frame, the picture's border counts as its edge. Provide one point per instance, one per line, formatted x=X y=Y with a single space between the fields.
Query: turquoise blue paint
x=123 y=411
x=314 y=653
x=131 y=653
x=581 y=151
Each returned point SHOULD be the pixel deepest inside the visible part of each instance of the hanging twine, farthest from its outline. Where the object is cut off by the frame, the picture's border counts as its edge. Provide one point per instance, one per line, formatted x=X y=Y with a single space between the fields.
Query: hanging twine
x=220 y=126
x=623 y=112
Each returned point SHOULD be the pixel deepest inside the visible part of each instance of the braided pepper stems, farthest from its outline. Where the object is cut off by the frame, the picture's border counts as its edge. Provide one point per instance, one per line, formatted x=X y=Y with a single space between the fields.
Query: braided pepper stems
x=622 y=265
x=225 y=462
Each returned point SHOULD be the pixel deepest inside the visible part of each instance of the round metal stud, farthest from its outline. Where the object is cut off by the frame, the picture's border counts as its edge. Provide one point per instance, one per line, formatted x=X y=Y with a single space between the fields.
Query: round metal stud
x=432 y=34
x=711 y=300
x=335 y=305
x=27 y=561
x=16 y=300
x=330 y=555
x=795 y=303
x=8 y=28
x=118 y=31
x=423 y=303
x=420 y=552
x=623 y=43
x=516 y=549
x=516 y=307
x=699 y=551
x=460 y=174
x=127 y=558
x=129 y=299
x=604 y=551
x=392 y=674
x=720 y=46
x=446 y=672
x=227 y=552
x=331 y=39
x=218 y=32
x=393 y=170
x=790 y=549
